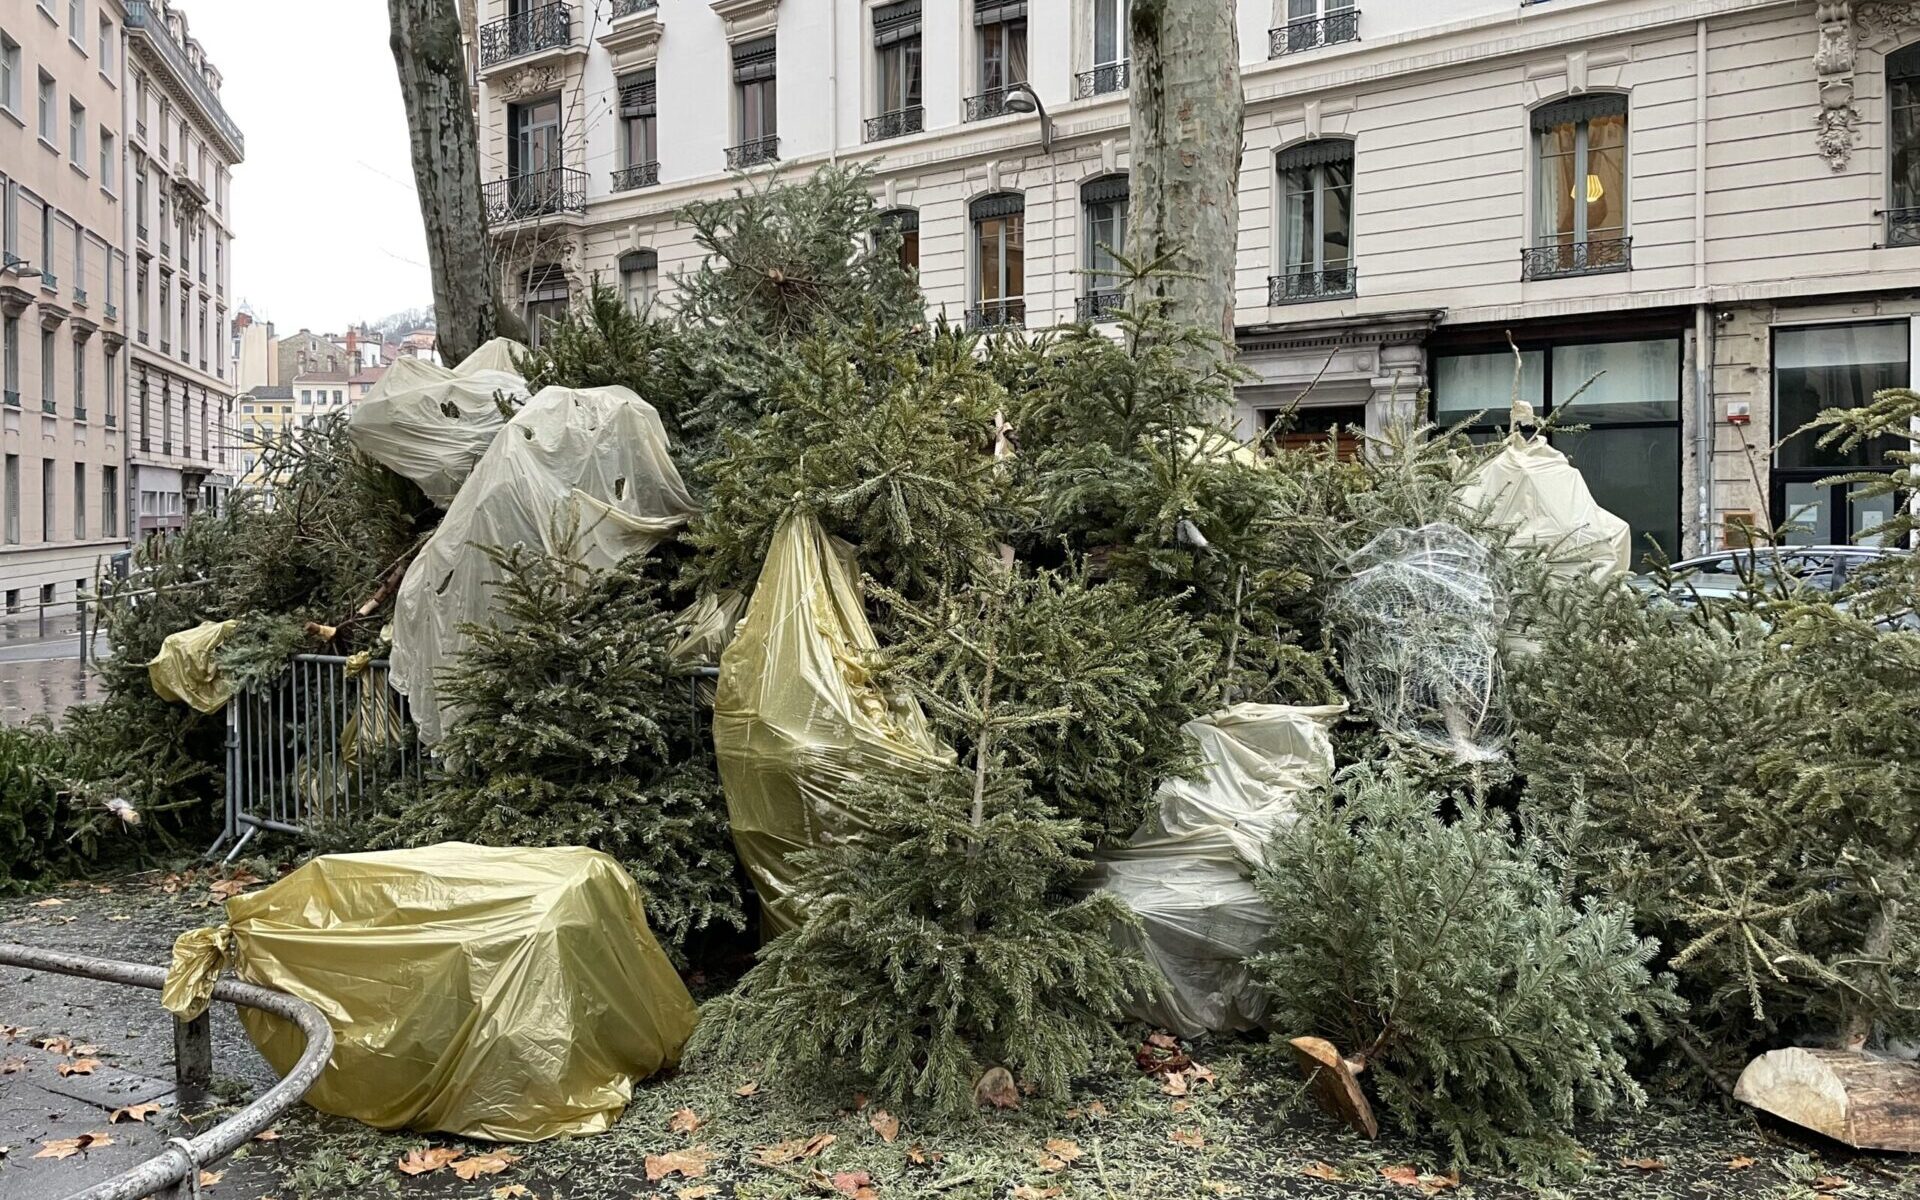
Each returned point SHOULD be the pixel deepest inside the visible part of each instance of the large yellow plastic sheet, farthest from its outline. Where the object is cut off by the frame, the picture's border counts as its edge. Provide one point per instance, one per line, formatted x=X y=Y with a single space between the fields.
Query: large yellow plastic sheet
x=1542 y=500
x=797 y=718
x=431 y=423
x=184 y=671
x=590 y=467
x=505 y=994
x=1187 y=871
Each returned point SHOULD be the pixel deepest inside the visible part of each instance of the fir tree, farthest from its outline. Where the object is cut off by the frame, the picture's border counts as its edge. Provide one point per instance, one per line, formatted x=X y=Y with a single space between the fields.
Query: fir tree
x=1487 y=1007
x=939 y=944
x=576 y=729
x=605 y=343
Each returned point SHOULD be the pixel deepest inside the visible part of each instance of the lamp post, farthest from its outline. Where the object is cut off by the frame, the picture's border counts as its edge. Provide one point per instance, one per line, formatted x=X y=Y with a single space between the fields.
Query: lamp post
x=1021 y=98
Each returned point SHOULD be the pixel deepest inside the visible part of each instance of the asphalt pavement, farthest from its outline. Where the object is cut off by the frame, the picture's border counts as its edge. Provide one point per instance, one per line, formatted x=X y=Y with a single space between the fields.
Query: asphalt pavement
x=40 y=669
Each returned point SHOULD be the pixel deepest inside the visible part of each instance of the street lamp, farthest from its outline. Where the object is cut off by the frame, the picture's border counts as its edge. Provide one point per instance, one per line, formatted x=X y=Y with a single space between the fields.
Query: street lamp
x=1021 y=98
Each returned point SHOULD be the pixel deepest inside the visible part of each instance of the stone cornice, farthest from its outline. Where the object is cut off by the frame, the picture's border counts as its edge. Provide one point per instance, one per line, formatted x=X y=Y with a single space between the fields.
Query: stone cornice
x=747 y=18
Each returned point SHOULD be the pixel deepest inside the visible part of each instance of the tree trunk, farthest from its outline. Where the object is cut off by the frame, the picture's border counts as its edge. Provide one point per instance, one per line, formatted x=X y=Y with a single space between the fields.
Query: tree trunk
x=431 y=58
x=1184 y=194
x=1855 y=1099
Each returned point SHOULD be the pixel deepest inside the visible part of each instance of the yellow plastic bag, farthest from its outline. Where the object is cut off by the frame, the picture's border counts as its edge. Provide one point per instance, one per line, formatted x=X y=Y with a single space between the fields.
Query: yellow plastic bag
x=198 y=957
x=183 y=671
x=504 y=994
x=796 y=718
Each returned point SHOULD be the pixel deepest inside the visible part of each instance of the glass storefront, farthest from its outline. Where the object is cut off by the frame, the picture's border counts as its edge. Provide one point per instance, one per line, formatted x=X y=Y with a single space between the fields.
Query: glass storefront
x=1820 y=367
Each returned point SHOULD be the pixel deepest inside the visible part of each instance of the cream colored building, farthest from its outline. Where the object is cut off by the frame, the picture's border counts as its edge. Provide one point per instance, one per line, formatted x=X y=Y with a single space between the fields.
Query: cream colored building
x=1714 y=202
x=62 y=304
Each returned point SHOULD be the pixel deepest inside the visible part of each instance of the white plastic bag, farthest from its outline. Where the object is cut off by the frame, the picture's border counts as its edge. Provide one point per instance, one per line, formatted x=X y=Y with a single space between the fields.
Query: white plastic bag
x=1542 y=500
x=432 y=424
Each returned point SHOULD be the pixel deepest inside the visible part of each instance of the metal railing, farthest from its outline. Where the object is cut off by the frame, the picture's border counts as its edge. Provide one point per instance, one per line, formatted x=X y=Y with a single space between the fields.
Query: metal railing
x=537 y=194
x=525 y=33
x=142 y=19
x=179 y=1164
x=752 y=154
x=80 y=296
x=1554 y=260
x=1099 y=305
x=1310 y=284
x=998 y=314
x=1310 y=33
x=11 y=398
x=141 y=230
x=314 y=746
x=987 y=105
x=49 y=282
x=627 y=8
x=1107 y=77
x=641 y=175
x=898 y=123
x=113 y=311
x=166 y=249
x=1903 y=227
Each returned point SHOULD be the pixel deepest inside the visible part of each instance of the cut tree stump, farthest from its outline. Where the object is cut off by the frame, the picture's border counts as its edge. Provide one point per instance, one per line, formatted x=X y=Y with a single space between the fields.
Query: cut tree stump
x=1854 y=1098
x=1334 y=1081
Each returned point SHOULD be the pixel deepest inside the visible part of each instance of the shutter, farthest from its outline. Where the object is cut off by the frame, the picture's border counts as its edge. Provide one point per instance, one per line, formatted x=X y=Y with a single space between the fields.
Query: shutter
x=906 y=220
x=639 y=260
x=1001 y=204
x=1580 y=108
x=753 y=60
x=1315 y=154
x=546 y=283
x=638 y=95
x=1104 y=190
x=896 y=22
x=986 y=12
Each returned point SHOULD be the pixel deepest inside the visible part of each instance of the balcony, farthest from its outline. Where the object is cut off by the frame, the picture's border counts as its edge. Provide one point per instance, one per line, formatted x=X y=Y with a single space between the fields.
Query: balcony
x=895 y=124
x=644 y=175
x=998 y=314
x=1903 y=227
x=9 y=260
x=1099 y=305
x=545 y=193
x=753 y=154
x=79 y=411
x=166 y=249
x=1326 y=283
x=627 y=8
x=549 y=27
x=1311 y=33
x=49 y=282
x=987 y=105
x=147 y=27
x=140 y=230
x=11 y=398
x=166 y=345
x=80 y=296
x=1108 y=77
x=1558 y=260
x=140 y=130
x=47 y=405
x=113 y=311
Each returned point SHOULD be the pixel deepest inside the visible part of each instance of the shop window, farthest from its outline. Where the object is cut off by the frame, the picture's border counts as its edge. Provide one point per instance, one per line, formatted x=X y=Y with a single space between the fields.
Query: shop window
x=1820 y=367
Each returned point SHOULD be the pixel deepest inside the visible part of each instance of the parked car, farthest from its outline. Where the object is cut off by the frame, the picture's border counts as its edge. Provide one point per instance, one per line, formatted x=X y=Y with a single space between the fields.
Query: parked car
x=1727 y=574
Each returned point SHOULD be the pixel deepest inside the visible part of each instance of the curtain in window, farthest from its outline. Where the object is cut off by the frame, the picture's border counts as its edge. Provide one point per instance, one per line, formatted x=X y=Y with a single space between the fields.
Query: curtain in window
x=1003 y=53
x=1106 y=212
x=1316 y=221
x=999 y=224
x=1903 y=134
x=1109 y=31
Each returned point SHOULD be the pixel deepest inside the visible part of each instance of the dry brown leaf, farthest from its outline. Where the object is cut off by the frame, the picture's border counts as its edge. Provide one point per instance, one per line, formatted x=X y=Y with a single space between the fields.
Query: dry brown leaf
x=426 y=1160
x=1319 y=1170
x=56 y=1045
x=917 y=1155
x=885 y=1124
x=484 y=1164
x=1403 y=1175
x=1739 y=1163
x=1432 y=1184
x=1181 y=1105
x=267 y=1135
x=749 y=1088
x=860 y=1101
x=782 y=1153
x=68 y=1147
x=857 y=1184
x=1200 y=1074
x=1831 y=1183
x=15 y=1032
x=133 y=1112
x=702 y=1192
x=1096 y=1109
x=1645 y=1164
x=81 y=1066
x=13 y=1066
x=1174 y=1083
x=86 y=1051
x=690 y=1163
x=49 y=902
x=209 y=1178
x=684 y=1121
x=514 y=1191
x=1023 y=1192
x=1192 y=1139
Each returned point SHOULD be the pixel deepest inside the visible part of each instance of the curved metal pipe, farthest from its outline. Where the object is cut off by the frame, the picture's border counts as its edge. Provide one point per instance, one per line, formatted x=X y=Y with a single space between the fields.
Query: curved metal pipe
x=176 y=1165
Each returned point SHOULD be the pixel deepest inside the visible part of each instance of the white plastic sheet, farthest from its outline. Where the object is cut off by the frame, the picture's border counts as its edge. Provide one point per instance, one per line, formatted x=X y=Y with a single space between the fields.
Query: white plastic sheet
x=432 y=424
x=1541 y=499
x=590 y=467
x=1187 y=872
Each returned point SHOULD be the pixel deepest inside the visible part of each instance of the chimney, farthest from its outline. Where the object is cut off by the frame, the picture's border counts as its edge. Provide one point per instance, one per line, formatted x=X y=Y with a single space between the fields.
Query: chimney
x=353 y=347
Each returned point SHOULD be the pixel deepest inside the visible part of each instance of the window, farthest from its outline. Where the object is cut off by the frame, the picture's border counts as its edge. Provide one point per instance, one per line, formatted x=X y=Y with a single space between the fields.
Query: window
x=640 y=278
x=109 y=501
x=77 y=132
x=999 y=261
x=106 y=46
x=1110 y=55
x=1630 y=452
x=1580 y=187
x=896 y=49
x=79 y=501
x=46 y=500
x=79 y=379
x=9 y=73
x=12 y=485
x=49 y=281
x=47 y=350
x=1903 y=147
x=1312 y=23
x=140 y=299
x=110 y=387
x=639 y=147
x=1002 y=44
x=306 y=397
x=46 y=108
x=535 y=182
x=1104 y=201
x=756 y=104
x=1818 y=367
x=10 y=347
x=546 y=300
x=76 y=15
x=905 y=222
x=107 y=153
x=9 y=221
x=1316 y=222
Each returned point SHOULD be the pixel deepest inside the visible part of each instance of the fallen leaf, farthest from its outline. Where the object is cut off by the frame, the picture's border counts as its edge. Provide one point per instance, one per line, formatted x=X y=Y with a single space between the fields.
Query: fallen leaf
x=68 y=1147
x=513 y=1191
x=785 y=1152
x=426 y=1160
x=885 y=1124
x=996 y=1088
x=689 y=1163
x=1096 y=1109
x=1192 y=1139
x=697 y=1193
x=1200 y=1074
x=1645 y=1164
x=1831 y=1183
x=1439 y=1183
x=857 y=1184
x=1405 y=1176
x=15 y=1032
x=1175 y=1083
x=13 y=1066
x=1059 y=1154
x=49 y=902
x=82 y=1066
x=56 y=1045
x=1161 y=1054
x=1023 y=1192
x=860 y=1101
x=1180 y=1106
x=748 y=1088
x=209 y=1178
x=267 y=1135
x=87 y=1050
x=484 y=1164
x=1320 y=1170
x=684 y=1121
x=133 y=1112
x=1222 y=1189
x=1739 y=1163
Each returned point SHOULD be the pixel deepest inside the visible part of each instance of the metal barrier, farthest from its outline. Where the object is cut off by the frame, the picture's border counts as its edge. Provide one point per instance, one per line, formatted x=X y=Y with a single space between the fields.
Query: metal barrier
x=314 y=746
x=175 y=1171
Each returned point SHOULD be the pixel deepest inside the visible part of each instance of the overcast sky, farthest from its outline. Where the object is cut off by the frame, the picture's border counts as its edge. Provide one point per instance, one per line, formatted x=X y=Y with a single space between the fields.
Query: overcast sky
x=326 y=224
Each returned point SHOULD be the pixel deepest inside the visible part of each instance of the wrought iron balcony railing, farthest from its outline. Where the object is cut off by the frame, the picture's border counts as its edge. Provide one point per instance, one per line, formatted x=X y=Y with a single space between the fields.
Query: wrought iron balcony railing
x=898 y=123
x=1554 y=260
x=536 y=194
x=1326 y=283
x=10 y=260
x=627 y=8
x=998 y=314
x=640 y=175
x=1903 y=227
x=1310 y=33
x=47 y=405
x=80 y=296
x=1099 y=305
x=752 y=154
x=141 y=230
x=12 y=398
x=537 y=29
x=987 y=105
x=1108 y=77
x=113 y=311
x=166 y=249
x=79 y=411
x=113 y=421
x=49 y=282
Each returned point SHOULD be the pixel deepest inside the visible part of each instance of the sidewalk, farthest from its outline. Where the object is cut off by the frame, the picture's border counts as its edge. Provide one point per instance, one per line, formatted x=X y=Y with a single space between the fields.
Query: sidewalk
x=40 y=669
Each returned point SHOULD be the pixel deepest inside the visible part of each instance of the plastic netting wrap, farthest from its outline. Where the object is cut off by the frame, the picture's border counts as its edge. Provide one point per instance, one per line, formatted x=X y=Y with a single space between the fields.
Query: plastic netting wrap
x=1419 y=620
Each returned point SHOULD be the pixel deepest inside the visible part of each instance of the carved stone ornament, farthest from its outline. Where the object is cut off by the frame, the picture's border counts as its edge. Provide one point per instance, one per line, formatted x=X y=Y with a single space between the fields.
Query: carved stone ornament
x=1886 y=18
x=1833 y=62
x=529 y=81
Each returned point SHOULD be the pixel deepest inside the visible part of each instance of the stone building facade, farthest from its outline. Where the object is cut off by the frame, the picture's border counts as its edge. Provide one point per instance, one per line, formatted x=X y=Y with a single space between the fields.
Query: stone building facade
x=1699 y=220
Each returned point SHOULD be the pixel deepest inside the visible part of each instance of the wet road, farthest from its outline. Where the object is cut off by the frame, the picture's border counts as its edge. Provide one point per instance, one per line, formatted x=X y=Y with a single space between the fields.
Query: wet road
x=40 y=669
